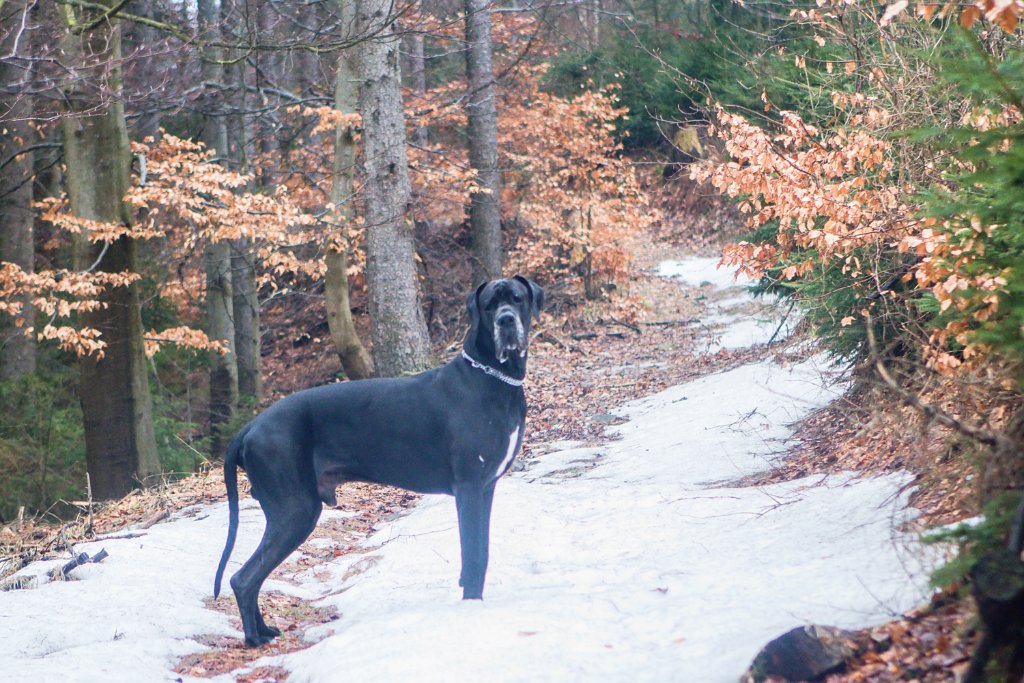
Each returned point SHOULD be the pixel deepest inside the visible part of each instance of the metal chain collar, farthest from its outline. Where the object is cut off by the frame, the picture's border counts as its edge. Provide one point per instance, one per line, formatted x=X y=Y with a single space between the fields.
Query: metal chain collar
x=487 y=369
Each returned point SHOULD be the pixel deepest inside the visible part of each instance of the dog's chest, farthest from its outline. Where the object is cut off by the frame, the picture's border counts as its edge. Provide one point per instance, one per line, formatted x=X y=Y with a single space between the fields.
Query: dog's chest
x=508 y=453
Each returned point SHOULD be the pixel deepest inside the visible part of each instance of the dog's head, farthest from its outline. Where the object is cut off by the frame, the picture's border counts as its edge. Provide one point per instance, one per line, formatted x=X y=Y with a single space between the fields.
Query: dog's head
x=499 y=315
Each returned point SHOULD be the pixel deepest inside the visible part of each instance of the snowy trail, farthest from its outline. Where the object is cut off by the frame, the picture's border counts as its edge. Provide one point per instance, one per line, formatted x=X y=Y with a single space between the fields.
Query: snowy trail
x=636 y=560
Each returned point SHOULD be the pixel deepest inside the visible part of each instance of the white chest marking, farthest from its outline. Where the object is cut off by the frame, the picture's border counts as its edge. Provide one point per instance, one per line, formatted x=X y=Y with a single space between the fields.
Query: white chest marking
x=513 y=441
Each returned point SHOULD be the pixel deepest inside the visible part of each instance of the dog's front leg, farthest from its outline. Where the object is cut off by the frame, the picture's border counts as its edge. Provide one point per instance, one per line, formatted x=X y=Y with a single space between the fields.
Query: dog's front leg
x=473 y=502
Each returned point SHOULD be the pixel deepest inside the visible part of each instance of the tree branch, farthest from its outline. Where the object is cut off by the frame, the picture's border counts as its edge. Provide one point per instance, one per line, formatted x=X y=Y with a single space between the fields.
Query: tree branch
x=188 y=39
x=26 y=150
x=106 y=15
x=980 y=434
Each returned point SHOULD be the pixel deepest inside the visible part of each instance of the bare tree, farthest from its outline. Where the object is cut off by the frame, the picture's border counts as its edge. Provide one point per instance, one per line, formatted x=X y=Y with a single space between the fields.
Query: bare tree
x=241 y=145
x=484 y=209
x=398 y=328
x=17 y=350
x=117 y=411
x=418 y=66
x=219 y=289
x=355 y=360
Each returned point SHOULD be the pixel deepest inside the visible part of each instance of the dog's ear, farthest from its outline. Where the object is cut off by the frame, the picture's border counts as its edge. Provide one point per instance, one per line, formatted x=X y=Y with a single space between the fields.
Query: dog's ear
x=536 y=295
x=473 y=306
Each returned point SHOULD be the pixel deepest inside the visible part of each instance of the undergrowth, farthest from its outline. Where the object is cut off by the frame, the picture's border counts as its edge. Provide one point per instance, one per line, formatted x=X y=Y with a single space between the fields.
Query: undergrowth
x=974 y=539
x=42 y=439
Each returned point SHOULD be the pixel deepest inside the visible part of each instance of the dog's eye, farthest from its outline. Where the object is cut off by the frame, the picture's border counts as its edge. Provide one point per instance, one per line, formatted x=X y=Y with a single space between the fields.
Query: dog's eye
x=517 y=299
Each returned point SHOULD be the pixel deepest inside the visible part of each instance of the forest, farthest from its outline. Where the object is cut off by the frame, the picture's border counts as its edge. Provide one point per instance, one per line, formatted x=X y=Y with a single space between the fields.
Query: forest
x=207 y=205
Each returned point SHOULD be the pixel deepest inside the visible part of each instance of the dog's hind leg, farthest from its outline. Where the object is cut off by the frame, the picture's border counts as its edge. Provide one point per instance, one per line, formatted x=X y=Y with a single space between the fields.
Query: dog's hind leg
x=289 y=523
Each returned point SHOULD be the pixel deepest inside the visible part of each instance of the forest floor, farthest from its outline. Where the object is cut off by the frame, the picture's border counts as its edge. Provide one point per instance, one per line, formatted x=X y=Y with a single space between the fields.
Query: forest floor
x=766 y=486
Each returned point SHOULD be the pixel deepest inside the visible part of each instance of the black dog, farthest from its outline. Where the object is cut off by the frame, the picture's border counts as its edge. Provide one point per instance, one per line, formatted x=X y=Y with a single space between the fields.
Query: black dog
x=454 y=429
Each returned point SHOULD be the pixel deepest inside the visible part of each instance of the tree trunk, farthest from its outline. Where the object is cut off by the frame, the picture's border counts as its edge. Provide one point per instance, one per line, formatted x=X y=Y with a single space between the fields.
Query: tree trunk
x=141 y=43
x=355 y=360
x=591 y=20
x=215 y=131
x=237 y=150
x=116 y=407
x=17 y=350
x=219 y=290
x=247 y=321
x=418 y=62
x=398 y=328
x=220 y=326
x=485 y=207
x=306 y=63
x=267 y=73
x=591 y=288
x=245 y=304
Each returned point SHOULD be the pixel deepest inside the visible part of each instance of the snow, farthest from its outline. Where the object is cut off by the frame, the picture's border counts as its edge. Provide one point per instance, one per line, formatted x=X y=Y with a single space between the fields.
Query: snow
x=642 y=559
x=129 y=617
x=734 y=321
x=703 y=271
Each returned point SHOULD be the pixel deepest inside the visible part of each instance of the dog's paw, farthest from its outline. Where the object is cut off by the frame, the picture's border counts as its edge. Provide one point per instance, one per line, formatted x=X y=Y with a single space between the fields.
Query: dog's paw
x=269 y=631
x=258 y=640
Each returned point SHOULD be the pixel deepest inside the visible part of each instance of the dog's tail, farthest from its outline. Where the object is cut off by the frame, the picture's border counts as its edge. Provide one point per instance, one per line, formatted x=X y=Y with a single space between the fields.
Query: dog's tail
x=231 y=463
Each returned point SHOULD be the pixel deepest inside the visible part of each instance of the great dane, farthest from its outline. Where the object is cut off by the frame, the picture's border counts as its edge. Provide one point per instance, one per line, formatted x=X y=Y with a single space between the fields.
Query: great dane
x=453 y=430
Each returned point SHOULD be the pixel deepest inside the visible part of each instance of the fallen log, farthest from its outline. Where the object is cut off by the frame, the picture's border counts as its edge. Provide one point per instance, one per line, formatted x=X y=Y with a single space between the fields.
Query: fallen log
x=119 y=537
x=18 y=583
x=551 y=339
x=153 y=519
x=15 y=563
x=582 y=336
x=55 y=574
x=667 y=323
x=61 y=573
x=616 y=321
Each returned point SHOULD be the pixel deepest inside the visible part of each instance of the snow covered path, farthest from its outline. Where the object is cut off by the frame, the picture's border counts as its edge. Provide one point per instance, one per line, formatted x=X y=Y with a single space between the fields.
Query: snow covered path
x=636 y=560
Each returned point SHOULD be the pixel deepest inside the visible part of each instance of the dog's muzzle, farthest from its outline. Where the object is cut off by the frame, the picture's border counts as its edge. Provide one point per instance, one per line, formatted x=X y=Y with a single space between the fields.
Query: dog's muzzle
x=509 y=334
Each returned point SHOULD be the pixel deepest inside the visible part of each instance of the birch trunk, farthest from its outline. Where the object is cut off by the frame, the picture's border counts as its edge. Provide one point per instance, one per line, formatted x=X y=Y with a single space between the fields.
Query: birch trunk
x=398 y=328
x=484 y=208
x=116 y=406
